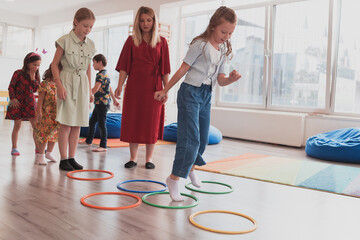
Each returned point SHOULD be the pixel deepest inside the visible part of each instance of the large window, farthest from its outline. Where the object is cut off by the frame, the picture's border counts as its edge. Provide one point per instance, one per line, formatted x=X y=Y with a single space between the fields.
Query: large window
x=299 y=57
x=1 y=38
x=194 y=25
x=117 y=38
x=347 y=92
x=293 y=55
x=15 y=41
x=19 y=40
x=109 y=34
x=248 y=59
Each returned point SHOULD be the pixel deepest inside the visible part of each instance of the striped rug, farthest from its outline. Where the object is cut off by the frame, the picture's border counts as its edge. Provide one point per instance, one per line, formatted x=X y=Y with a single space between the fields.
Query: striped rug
x=116 y=143
x=290 y=171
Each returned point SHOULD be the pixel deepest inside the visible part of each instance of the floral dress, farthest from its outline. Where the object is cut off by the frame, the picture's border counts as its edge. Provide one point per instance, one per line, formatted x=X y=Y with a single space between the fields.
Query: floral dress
x=46 y=130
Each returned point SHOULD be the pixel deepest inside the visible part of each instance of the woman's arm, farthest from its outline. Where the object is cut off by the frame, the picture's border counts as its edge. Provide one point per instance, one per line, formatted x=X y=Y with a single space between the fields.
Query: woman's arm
x=122 y=78
x=165 y=79
x=116 y=103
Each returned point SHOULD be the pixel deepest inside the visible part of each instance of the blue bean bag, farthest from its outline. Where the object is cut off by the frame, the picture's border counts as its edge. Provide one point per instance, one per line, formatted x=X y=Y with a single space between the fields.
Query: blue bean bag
x=113 y=125
x=170 y=134
x=342 y=145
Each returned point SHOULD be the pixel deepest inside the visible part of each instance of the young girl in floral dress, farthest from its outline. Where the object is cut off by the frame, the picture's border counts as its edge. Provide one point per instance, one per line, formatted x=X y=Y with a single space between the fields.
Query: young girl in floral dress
x=46 y=127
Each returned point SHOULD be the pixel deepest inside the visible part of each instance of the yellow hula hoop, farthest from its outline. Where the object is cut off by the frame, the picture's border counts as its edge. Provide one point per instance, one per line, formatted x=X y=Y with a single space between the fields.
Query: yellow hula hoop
x=191 y=218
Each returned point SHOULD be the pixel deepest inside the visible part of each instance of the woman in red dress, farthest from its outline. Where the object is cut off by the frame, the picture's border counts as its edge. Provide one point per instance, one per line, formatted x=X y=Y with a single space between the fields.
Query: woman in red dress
x=24 y=83
x=144 y=61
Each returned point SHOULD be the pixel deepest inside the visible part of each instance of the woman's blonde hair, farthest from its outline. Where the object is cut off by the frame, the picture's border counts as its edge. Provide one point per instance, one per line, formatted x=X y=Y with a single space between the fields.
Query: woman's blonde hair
x=137 y=33
x=83 y=14
x=221 y=14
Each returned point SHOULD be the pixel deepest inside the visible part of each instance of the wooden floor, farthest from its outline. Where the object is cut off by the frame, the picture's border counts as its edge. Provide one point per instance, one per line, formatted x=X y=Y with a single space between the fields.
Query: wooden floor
x=41 y=202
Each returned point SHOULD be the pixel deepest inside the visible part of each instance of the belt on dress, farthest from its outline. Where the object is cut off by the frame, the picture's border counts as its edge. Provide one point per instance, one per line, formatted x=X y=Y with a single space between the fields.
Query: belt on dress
x=76 y=79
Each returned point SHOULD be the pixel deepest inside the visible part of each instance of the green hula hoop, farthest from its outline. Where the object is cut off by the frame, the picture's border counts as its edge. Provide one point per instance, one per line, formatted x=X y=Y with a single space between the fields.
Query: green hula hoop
x=171 y=207
x=200 y=191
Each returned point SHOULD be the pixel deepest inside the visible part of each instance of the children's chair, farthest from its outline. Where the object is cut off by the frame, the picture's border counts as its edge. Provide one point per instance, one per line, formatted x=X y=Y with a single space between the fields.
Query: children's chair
x=5 y=101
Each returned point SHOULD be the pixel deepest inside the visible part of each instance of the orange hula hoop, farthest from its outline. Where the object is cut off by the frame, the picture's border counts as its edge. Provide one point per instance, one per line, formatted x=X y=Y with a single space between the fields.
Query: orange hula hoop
x=90 y=179
x=191 y=218
x=82 y=200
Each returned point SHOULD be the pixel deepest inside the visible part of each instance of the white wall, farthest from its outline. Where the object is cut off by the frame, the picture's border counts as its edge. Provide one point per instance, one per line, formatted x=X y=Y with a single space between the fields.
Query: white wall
x=290 y=129
x=7 y=68
x=18 y=19
x=99 y=9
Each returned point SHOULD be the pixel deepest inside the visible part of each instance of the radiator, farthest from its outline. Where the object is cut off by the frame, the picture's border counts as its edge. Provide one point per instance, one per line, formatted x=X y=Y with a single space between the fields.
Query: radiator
x=263 y=126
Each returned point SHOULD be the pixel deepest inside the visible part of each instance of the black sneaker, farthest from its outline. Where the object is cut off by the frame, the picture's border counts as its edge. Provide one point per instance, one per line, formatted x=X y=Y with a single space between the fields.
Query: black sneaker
x=74 y=164
x=149 y=165
x=130 y=164
x=65 y=165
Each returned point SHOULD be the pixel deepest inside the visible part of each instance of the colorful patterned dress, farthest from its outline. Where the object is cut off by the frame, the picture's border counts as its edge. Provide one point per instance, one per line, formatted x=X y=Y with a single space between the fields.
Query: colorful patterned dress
x=22 y=88
x=46 y=130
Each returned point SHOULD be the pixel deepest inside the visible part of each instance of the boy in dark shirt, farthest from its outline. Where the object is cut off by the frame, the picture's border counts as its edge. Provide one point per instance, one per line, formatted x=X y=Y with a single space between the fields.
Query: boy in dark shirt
x=102 y=92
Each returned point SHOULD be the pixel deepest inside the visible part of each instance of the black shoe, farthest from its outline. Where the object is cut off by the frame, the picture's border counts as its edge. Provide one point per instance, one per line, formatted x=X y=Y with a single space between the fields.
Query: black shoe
x=130 y=164
x=149 y=165
x=65 y=165
x=74 y=164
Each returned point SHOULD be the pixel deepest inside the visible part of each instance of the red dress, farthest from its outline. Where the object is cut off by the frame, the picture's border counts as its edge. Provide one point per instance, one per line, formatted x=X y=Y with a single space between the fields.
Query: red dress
x=22 y=88
x=143 y=116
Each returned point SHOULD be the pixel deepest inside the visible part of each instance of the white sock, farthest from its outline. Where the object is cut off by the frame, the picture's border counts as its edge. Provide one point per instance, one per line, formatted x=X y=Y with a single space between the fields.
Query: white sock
x=50 y=157
x=41 y=159
x=36 y=158
x=173 y=186
x=194 y=180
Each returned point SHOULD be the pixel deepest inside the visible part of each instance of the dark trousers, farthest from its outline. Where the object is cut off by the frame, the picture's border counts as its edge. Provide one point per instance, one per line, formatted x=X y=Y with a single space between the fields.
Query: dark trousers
x=98 y=115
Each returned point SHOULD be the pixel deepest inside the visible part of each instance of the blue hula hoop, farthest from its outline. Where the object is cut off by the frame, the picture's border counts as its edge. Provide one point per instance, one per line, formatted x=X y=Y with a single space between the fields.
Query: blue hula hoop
x=140 y=180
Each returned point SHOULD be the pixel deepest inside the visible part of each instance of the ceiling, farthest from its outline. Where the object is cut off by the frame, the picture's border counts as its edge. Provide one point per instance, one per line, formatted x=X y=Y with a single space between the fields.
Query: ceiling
x=42 y=7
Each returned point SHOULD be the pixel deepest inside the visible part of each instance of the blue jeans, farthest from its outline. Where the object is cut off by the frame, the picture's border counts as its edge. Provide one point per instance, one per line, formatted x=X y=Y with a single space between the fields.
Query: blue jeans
x=194 y=105
x=99 y=115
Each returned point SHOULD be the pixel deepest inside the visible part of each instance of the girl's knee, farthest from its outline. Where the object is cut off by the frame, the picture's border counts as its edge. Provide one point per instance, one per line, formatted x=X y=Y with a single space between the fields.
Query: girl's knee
x=17 y=125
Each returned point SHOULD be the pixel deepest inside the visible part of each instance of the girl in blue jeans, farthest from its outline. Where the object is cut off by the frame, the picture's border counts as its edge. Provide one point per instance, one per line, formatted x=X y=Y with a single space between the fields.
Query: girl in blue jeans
x=204 y=65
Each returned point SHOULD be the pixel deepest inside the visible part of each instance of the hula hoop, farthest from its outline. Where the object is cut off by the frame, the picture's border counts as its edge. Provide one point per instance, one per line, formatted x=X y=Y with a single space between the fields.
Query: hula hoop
x=135 y=191
x=82 y=200
x=171 y=207
x=90 y=179
x=191 y=218
x=200 y=191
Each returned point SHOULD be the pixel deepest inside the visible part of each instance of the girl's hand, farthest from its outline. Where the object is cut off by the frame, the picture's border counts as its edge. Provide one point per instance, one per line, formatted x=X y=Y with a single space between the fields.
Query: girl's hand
x=116 y=103
x=234 y=76
x=15 y=103
x=164 y=99
x=160 y=96
x=61 y=93
x=91 y=98
x=32 y=76
x=117 y=92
